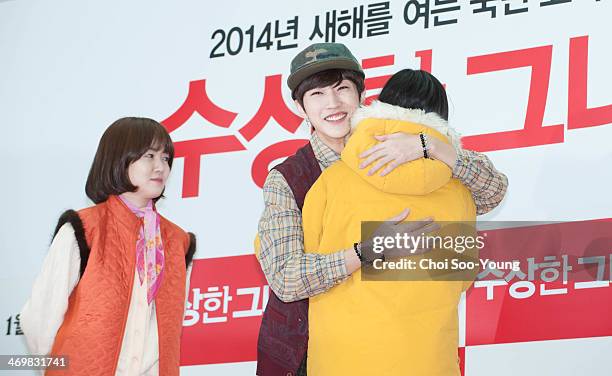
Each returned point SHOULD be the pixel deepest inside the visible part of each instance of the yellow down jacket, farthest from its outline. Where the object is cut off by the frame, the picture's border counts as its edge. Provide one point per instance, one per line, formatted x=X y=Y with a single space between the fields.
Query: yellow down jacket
x=383 y=327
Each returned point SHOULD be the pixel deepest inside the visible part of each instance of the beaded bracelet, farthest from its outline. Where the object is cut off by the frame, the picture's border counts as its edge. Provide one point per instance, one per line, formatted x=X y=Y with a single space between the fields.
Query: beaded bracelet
x=356 y=247
x=424 y=144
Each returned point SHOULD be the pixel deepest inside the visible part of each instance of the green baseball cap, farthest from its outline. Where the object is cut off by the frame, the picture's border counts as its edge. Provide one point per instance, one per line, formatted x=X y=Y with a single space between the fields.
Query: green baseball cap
x=319 y=57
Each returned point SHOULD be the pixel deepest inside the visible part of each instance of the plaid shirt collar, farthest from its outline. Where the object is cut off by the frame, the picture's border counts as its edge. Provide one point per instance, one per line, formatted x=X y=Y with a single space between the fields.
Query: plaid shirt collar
x=324 y=154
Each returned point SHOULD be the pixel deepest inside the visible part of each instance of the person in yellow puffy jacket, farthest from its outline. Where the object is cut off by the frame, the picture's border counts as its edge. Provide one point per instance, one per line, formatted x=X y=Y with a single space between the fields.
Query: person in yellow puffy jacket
x=364 y=327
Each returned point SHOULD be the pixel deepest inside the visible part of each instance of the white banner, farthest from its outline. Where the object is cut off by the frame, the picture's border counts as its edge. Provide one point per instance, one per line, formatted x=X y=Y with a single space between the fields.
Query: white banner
x=528 y=83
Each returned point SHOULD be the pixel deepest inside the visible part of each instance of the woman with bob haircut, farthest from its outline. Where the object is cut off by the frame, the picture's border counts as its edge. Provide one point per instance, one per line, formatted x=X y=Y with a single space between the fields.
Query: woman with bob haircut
x=111 y=293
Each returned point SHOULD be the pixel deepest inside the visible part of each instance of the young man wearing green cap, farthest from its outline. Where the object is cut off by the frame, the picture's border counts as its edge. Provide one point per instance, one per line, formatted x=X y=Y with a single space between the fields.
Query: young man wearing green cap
x=327 y=85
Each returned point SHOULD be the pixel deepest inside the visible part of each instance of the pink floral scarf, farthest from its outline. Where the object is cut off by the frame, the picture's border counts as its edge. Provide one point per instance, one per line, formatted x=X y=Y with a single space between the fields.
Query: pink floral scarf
x=149 y=247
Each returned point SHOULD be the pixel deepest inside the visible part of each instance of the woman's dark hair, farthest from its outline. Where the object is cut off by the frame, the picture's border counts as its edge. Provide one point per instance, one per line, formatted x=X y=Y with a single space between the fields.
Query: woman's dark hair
x=327 y=78
x=416 y=89
x=124 y=142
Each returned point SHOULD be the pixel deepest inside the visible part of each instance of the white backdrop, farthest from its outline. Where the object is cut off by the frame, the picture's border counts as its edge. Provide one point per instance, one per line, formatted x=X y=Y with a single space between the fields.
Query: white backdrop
x=70 y=68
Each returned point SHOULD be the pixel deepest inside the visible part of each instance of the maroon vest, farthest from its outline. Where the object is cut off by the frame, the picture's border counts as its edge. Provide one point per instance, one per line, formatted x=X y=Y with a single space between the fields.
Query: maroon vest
x=283 y=335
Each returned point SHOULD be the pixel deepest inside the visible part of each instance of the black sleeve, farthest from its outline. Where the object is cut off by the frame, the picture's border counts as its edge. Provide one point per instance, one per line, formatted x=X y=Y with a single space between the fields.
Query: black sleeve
x=190 y=249
x=72 y=217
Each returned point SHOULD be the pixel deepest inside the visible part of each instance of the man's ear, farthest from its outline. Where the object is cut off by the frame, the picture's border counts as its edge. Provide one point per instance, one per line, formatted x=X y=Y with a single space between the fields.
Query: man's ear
x=300 y=109
x=362 y=97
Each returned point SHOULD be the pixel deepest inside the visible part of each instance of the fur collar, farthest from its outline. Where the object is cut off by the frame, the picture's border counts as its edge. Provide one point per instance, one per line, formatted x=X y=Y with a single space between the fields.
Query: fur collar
x=381 y=110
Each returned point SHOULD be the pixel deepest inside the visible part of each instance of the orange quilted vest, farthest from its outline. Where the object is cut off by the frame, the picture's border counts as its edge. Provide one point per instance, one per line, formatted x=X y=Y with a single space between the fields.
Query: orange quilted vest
x=92 y=331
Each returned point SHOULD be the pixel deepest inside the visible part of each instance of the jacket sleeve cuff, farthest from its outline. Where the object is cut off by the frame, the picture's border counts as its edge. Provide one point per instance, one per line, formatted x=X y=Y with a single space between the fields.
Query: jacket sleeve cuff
x=337 y=268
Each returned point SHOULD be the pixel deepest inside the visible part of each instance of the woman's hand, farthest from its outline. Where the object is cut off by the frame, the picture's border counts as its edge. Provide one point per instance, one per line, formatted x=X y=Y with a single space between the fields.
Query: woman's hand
x=398 y=148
